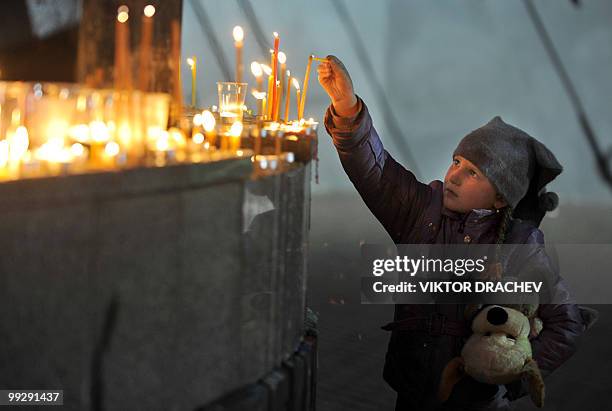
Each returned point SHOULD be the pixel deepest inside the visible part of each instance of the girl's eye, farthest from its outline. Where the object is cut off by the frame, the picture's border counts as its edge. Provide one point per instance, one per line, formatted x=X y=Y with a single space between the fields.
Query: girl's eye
x=473 y=173
x=455 y=161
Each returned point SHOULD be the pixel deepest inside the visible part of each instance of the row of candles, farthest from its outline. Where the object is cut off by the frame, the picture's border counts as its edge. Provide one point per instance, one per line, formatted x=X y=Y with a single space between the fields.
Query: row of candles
x=279 y=80
x=62 y=140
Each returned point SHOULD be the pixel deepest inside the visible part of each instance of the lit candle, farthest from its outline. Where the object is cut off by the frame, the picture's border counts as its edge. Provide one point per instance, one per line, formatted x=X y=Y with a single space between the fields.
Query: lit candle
x=18 y=142
x=4 y=158
x=175 y=51
x=306 y=77
x=258 y=73
x=122 y=38
x=268 y=71
x=278 y=97
x=238 y=38
x=146 y=39
x=260 y=96
x=193 y=62
x=275 y=75
x=209 y=123
x=282 y=59
x=287 y=95
x=296 y=84
x=235 y=134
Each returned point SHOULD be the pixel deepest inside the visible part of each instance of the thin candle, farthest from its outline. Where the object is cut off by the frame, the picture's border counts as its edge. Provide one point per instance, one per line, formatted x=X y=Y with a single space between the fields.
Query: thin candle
x=193 y=63
x=261 y=98
x=121 y=47
x=268 y=71
x=287 y=96
x=238 y=34
x=296 y=84
x=258 y=73
x=177 y=89
x=146 y=39
x=282 y=59
x=320 y=59
x=306 y=77
x=275 y=74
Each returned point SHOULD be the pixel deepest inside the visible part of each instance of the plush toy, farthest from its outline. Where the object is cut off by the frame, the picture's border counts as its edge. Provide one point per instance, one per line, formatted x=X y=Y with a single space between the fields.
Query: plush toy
x=498 y=351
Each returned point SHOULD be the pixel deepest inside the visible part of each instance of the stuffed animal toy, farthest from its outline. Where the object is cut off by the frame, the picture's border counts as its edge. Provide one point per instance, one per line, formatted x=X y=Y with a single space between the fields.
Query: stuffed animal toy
x=498 y=351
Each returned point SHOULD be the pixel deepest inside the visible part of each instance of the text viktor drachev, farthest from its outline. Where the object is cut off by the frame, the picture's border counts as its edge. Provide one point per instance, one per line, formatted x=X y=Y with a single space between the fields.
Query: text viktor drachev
x=434 y=267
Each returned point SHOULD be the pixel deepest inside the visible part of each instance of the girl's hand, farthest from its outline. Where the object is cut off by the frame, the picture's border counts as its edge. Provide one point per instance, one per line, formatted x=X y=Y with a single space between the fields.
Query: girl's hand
x=336 y=81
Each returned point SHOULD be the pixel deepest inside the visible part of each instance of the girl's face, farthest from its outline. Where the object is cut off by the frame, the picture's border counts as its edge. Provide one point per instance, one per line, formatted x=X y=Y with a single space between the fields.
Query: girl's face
x=466 y=188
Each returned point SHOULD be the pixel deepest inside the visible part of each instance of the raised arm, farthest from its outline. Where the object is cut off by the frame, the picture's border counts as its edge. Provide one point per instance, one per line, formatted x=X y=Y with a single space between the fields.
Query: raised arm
x=393 y=194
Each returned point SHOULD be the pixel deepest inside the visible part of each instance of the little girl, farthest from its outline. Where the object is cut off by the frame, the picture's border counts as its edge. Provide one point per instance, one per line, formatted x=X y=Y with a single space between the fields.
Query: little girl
x=493 y=193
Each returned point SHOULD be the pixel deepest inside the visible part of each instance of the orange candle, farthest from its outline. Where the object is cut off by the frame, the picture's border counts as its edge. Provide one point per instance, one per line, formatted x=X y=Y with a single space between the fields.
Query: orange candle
x=287 y=96
x=296 y=84
x=275 y=75
x=238 y=34
x=121 y=44
x=177 y=92
x=306 y=77
x=146 y=39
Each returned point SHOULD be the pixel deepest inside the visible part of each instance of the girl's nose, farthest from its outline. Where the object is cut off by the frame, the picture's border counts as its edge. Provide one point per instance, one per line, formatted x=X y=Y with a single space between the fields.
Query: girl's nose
x=455 y=177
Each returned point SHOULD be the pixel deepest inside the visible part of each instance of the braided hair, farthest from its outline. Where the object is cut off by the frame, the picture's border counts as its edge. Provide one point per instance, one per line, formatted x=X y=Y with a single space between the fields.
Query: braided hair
x=504 y=224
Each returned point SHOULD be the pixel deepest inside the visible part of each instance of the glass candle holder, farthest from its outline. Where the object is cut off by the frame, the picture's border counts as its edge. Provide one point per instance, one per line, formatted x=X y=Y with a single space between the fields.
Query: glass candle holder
x=231 y=102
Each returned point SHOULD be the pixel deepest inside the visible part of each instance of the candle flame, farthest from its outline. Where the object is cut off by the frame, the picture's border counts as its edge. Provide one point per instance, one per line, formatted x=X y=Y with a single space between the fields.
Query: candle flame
x=149 y=10
x=282 y=57
x=19 y=143
x=198 y=138
x=54 y=151
x=259 y=95
x=267 y=69
x=111 y=149
x=208 y=120
x=99 y=131
x=123 y=14
x=236 y=129
x=238 y=34
x=275 y=34
x=191 y=61
x=197 y=120
x=4 y=153
x=163 y=142
x=296 y=83
x=77 y=149
x=256 y=69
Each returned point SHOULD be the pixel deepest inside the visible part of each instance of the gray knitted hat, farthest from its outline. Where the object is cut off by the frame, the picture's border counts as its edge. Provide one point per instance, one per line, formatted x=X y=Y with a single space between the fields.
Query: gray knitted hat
x=518 y=166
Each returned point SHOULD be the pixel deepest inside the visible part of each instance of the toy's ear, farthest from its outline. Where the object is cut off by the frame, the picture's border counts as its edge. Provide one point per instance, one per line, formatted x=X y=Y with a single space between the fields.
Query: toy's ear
x=452 y=374
x=531 y=372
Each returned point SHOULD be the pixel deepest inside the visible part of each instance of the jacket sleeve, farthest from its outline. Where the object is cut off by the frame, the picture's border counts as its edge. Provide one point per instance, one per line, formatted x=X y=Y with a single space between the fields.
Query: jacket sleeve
x=393 y=194
x=557 y=341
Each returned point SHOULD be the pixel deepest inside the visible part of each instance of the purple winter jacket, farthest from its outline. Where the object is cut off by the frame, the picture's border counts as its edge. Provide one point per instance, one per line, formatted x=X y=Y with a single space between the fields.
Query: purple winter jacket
x=413 y=213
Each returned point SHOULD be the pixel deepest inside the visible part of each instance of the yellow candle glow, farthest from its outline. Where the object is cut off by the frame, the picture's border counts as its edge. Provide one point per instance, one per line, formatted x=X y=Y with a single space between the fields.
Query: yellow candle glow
x=306 y=78
x=238 y=34
x=235 y=134
x=258 y=73
x=282 y=59
x=260 y=96
x=268 y=71
x=287 y=95
x=193 y=63
x=4 y=158
x=209 y=123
